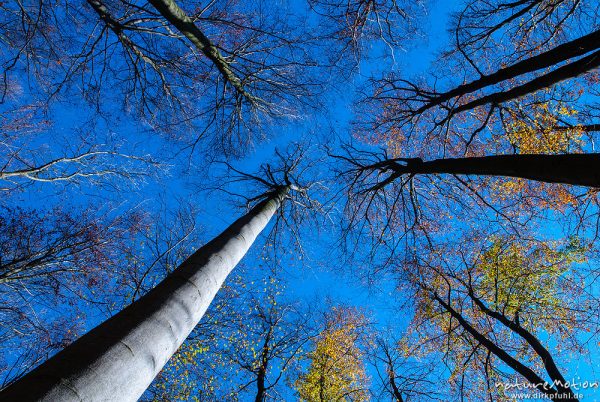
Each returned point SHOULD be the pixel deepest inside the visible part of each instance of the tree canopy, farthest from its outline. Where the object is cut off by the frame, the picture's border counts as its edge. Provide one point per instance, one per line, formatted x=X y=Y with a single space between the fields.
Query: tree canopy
x=416 y=185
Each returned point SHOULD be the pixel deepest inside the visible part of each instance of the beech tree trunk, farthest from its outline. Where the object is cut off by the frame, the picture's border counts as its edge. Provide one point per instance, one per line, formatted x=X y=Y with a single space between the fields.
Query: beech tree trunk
x=536 y=381
x=575 y=48
x=575 y=169
x=180 y=20
x=117 y=360
x=261 y=376
x=397 y=395
x=566 y=72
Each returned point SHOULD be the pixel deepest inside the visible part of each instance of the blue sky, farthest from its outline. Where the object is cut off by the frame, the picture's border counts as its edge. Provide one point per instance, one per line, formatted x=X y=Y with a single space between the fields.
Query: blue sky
x=318 y=275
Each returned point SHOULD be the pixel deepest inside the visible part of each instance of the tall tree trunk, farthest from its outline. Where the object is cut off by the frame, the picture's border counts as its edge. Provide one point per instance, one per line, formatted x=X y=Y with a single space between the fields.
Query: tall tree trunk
x=575 y=169
x=575 y=48
x=397 y=395
x=260 y=385
x=568 y=71
x=261 y=376
x=117 y=360
x=322 y=386
x=547 y=359
x=536 y=381
x=171 y=11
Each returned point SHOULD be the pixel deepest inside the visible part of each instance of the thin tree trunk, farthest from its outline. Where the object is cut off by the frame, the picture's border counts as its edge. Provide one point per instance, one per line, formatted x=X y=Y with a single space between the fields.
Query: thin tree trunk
x=510 y=361
x=322 y=386
x=396 y=392
x=575 y=48
x=260 y=386
x=117 y=360
x=586 y=128
x=568 y=71
x=119 y=30
x=575 y=169
x=171 y=11
x=549 y=364
x=261 y=390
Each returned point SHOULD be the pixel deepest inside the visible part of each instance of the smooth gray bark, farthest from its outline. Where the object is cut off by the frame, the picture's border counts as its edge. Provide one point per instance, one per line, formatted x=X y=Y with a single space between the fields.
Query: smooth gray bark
x=117 y=360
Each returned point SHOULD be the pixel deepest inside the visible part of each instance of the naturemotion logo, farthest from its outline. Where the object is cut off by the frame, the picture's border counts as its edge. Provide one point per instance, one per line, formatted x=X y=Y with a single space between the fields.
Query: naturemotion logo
x=547 y=390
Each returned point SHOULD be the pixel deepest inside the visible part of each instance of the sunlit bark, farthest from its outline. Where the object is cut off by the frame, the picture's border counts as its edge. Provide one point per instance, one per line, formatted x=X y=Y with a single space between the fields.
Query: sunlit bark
x=118 y=359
